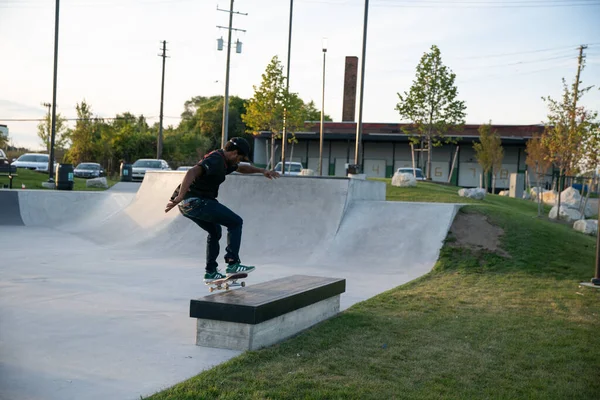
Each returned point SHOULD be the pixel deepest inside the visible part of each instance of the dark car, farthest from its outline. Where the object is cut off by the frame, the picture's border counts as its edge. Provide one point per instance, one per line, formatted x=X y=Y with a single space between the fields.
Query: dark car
x=88 y=170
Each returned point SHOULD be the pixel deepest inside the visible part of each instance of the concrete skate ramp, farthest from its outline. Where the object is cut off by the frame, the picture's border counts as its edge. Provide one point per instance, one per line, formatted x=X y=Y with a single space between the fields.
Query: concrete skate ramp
x=300 y=220
x=9 y=208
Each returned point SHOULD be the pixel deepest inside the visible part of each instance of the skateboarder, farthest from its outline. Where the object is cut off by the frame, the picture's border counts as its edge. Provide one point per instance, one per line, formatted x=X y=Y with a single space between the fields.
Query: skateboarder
x=196 y=197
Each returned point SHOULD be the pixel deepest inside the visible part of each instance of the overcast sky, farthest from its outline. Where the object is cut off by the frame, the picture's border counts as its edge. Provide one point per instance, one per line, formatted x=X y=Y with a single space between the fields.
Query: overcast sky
x=506 y=54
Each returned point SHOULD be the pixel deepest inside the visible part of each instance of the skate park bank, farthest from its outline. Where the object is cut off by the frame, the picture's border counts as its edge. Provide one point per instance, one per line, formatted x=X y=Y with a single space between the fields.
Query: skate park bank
x=99 y=307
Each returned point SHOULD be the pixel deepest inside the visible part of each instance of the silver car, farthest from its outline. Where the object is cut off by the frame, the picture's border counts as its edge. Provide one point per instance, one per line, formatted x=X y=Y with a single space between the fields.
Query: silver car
x=142 y=165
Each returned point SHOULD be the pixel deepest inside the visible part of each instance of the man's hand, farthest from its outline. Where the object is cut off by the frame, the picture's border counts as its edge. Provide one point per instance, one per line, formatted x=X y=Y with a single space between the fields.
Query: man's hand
x=271 y=174
x=173 y=203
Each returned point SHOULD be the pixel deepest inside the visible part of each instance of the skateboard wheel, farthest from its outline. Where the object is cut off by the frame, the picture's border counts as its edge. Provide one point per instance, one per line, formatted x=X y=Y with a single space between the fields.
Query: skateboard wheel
x=243 y=284
x=211 y=289
x=226 y=287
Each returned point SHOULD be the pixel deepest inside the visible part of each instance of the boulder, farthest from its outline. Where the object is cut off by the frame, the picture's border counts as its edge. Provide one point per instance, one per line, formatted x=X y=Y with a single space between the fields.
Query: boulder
x=526 y=196
x=504 y=193
x=587 y=226
x=307 y=172
x=566 y=213
x=97 y=183
x=404 y=180
x=571 y=198
x=477 y=194
x=548 y=197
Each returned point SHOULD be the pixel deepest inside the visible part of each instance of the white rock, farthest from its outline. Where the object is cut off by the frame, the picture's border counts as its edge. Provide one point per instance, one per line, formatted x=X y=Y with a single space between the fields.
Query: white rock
x=549 y=197
x=587 y=226
x=477 y=194
x=504 y=193
x=535 y=190
x=526 y=196
x=571 y=198
x=307 y=172
x=566 y=213
x=404 y=180
x=97 y=183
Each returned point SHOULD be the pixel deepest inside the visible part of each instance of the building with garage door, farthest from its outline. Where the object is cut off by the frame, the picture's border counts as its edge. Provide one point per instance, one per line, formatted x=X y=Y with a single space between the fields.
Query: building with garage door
x=385 y=148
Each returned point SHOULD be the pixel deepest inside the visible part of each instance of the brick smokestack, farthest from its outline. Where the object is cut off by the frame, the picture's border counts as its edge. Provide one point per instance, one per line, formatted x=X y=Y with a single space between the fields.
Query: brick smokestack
x=350 y=76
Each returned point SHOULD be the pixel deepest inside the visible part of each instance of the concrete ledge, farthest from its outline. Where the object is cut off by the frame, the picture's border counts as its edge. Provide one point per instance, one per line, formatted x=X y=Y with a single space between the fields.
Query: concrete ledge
x=264 y=314
x=240 y=336
x=259 y=303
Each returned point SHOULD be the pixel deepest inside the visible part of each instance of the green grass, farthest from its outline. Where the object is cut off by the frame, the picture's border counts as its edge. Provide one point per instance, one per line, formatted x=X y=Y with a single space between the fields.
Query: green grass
x=478 y=326
x=33 y=180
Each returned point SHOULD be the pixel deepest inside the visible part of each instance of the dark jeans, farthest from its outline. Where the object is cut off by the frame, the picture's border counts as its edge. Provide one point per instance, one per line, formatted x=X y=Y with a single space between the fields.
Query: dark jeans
x=209 y=215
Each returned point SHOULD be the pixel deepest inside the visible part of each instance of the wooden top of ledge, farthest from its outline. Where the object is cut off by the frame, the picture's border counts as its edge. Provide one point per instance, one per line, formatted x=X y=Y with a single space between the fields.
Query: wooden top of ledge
x=261 y=302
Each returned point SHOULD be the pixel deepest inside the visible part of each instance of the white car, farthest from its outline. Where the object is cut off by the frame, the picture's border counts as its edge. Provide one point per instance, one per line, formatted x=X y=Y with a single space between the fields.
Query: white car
x=34 y=161
x=2 y=155
x=292 y=168
x=409 y=170
x=142 y=165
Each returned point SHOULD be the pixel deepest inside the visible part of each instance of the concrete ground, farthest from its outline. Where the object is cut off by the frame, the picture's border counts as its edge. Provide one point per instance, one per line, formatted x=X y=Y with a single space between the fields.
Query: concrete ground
x=95 y=287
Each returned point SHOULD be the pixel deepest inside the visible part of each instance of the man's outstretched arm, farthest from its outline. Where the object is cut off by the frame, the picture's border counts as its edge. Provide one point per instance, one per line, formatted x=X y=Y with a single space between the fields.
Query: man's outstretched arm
x=251 y=169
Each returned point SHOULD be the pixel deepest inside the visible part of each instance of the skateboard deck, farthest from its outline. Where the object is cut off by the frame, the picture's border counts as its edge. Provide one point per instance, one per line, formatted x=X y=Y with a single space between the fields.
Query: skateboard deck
x=228 y=282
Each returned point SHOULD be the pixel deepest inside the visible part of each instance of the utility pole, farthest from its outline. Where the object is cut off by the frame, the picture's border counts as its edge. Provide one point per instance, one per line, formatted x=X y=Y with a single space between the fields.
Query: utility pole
x=362 y=90
x=48 y=105
x=159 y=144
x=51 y=158
x=225 y=131
x=287 y=90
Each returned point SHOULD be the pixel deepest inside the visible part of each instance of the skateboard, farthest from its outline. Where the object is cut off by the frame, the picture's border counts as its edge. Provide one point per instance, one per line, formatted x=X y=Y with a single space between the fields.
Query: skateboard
x=226 y=283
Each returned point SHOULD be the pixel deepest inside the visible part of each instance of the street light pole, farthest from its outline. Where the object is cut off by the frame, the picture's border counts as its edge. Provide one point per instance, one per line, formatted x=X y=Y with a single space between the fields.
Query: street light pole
x=362 y=89
x=322 y=111
x=287 y=89
x=226 y=99
x=51 y=158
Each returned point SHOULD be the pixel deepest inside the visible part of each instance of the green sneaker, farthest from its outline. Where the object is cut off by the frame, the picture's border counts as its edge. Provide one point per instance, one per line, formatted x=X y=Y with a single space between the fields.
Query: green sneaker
x=238 y=268
x=213 y=276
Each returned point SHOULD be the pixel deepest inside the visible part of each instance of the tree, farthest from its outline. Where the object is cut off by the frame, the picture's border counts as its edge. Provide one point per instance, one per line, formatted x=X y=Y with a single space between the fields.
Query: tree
x=3 y=139
x=264 y=111
x=83 y=136
x=311 y=113
x=431 y=103
x=44 y=131
x=569 y=128
x=489 y=153
x=537 y=157
x=204 y=115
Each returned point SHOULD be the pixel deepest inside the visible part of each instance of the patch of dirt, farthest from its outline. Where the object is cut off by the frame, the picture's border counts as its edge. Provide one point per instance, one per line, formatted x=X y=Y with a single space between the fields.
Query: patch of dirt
x=475 y=232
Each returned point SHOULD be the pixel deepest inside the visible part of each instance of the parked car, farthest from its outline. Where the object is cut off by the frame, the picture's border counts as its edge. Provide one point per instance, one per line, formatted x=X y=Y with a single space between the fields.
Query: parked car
x=408 y=170
x=3 y=156
x=147 y=164
x=33 y=161
x=292 y=168
x=88 y=170
x=184 y=168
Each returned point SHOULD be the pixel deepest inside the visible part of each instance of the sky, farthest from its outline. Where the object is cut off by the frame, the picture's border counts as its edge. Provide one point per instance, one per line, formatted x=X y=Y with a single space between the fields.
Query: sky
x=506 y=54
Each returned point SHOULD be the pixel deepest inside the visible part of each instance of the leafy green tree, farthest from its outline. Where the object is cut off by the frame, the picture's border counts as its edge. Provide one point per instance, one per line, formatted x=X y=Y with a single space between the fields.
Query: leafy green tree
x=3 y=140
x=44 y=131
x=83 y=136
x=489 y=153
x=204 y=115
x=265 y=110
x=311 y=113
x=569 y=130
x=431 y=103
